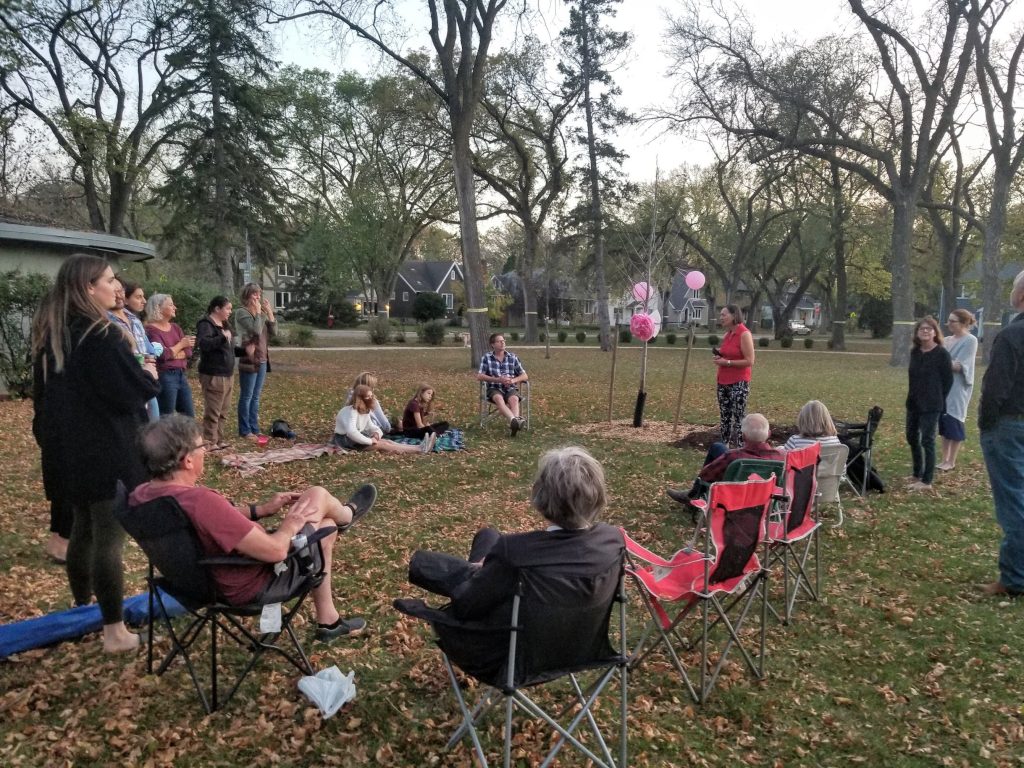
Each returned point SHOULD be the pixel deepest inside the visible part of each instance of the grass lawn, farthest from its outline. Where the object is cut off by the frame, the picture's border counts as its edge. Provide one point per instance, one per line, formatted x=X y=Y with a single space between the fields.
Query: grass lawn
x=900 y=665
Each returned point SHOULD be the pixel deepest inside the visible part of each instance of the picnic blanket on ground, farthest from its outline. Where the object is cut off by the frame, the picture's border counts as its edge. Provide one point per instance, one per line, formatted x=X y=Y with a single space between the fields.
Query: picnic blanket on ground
x=452 y=440
x=52 y=628
x=251 y=463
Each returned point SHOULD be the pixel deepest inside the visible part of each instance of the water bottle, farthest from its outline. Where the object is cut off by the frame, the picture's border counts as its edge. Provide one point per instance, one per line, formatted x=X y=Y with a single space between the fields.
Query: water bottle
x=299 y=542
x=303 y=556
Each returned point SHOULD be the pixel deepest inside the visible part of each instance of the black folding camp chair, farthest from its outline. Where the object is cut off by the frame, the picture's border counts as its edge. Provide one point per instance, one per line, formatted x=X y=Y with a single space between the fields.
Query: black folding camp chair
x=860 y=438
x=488 y=411
x=179 y=568
x=558 y=631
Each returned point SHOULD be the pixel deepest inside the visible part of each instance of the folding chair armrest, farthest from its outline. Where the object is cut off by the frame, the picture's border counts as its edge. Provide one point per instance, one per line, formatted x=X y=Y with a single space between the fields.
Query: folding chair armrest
x=313 y=538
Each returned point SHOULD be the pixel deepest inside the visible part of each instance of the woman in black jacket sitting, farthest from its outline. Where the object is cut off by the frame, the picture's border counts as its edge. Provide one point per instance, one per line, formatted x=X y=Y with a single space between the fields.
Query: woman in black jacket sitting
x=216 y=369
x=931 y=377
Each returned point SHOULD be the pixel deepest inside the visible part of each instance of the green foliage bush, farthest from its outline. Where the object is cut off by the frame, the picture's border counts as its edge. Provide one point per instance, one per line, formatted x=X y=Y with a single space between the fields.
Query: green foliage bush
x=786 y=342
x=399 y=336
x=345 y=315
x=562 y=336
x=431 y=333
x=764 y=341
x=652 y=340
x=808 y=343
x=379 y=330
x=543 y=337
x=514 y=335
x=20 y=295
x=876 y=316
x=713 y=340
x=428 y=306
x=300 y=336
x=581 y=336
x=625 y=336
x=830 y=344
x=670 y=338
x=191 y=299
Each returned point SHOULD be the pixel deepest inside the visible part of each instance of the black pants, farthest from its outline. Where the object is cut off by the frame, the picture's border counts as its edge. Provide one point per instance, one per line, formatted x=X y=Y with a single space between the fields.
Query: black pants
x=440 y=573
x=418 y=433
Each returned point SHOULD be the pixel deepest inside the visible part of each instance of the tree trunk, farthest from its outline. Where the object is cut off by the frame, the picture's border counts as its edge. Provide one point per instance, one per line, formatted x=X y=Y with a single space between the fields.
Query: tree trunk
x=529 y=288
x=465 y=192
x=838 y=233
x=902 y=280
x=992 y=298
x=596 y=220
x=221 y=253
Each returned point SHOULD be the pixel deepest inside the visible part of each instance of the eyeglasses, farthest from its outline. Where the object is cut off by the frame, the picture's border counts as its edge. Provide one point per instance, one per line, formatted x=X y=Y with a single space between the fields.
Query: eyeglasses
x=952 y=321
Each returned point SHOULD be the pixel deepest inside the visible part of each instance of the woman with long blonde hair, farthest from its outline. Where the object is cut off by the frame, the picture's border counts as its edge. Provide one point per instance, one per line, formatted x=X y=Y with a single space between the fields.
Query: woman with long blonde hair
x=105 y=389
x=962 y=346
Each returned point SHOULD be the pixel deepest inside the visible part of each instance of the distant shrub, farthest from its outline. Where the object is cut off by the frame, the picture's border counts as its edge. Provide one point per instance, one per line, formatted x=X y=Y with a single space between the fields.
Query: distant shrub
x=581 y=336
x=514 y=335
x=652 y=339
x=713 y=340
x=562 y=336
x=808 y=343
x=301 y=336
x=625 y=336
x=786 y=342
x=830 y=344
x=764 y=341
x=670 y=338
x=400 y=336
x=431 y=333
x=379 y=330
x=543 y=336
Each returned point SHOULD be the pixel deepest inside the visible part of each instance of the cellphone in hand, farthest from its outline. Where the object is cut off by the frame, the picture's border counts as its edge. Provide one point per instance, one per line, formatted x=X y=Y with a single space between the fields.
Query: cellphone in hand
x=716 y=351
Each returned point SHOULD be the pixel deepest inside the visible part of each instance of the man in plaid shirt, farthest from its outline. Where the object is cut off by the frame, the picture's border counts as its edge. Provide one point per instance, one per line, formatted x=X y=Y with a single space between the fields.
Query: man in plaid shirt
x=502 y=371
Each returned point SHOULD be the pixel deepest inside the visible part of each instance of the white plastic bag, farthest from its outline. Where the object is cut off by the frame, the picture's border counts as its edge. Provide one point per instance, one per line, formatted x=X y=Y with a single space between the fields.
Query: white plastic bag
x=329 y=689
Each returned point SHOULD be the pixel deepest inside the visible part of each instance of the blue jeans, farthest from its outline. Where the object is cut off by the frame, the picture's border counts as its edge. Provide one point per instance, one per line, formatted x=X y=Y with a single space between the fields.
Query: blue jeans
x=921 y=428
x=1003 y=448
x=249 y=387
x=175 y=394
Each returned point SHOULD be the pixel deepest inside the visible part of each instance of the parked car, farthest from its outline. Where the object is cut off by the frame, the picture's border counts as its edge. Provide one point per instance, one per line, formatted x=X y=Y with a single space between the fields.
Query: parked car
x=798 y=329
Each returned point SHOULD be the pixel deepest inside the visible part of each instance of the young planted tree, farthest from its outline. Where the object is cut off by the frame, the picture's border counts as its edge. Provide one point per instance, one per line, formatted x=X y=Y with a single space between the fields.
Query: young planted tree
x=591 y=49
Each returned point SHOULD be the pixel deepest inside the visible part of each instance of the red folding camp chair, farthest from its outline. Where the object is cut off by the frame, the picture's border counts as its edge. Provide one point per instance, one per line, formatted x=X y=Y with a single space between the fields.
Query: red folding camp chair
x=721 y=583
x=793 y=533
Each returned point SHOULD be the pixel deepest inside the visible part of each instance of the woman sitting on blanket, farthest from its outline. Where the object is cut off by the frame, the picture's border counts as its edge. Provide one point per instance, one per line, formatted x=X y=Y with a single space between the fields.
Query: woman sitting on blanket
x=413 y=423
x=377 y=415
x=355 y=430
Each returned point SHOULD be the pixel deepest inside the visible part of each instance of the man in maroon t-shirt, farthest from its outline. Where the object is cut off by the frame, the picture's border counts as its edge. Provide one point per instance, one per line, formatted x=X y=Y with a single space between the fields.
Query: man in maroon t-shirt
x=755 y=430
x=174 y=452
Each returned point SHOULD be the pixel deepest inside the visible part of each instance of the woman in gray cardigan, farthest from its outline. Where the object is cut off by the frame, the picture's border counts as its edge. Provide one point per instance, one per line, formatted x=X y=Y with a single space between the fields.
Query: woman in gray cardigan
x=255 y=323
x=962 y=346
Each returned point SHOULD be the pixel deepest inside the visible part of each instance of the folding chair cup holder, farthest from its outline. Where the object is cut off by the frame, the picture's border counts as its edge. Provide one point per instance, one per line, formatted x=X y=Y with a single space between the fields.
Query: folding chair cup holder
x=489 y=412
x=179 y=568
x=718 y=585
x=552 y=637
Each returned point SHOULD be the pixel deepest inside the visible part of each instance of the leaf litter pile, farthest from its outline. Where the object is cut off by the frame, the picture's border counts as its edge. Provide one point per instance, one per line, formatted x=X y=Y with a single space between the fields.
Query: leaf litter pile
x=899 y=664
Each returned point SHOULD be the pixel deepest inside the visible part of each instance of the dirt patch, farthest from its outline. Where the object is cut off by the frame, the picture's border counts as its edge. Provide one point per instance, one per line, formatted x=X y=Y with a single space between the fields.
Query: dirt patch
x=685 y=436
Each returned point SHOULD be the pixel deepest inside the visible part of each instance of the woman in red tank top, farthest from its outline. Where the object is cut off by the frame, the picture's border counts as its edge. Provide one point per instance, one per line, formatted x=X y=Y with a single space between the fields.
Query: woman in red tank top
x=734 y=359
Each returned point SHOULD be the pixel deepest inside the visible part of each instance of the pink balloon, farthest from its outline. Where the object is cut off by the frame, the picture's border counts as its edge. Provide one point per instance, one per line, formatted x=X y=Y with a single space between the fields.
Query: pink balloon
x=641 y=291
x=695 y=280
x=642 y=327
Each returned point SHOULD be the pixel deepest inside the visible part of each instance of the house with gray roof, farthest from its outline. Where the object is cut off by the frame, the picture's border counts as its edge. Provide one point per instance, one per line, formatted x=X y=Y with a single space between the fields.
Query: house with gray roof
x=414 y=277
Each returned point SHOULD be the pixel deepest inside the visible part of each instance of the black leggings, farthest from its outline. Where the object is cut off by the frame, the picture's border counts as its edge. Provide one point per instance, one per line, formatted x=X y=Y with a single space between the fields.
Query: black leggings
x=94 y=559
x=418 y=433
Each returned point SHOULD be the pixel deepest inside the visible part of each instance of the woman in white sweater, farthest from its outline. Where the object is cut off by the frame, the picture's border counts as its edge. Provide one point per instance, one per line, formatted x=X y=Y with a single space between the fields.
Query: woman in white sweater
x=355 y=429
x=813 y=425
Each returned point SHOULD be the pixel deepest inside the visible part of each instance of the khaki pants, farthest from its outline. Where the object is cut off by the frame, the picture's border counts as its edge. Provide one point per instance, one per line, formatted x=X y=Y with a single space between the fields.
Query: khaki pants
x=216 y=394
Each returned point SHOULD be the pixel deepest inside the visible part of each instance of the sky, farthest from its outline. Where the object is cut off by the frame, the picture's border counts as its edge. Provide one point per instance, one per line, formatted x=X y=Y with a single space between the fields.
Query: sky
x=643 y=77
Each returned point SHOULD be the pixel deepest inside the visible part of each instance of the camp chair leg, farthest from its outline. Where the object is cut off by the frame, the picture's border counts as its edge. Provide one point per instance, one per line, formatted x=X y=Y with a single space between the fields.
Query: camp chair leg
x=468 y=719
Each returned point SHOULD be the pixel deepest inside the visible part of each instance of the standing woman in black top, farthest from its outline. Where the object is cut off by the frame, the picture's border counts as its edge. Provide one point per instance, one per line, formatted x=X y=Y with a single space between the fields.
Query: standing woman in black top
x=931 y=377
x=106 y=389
x=216 y=369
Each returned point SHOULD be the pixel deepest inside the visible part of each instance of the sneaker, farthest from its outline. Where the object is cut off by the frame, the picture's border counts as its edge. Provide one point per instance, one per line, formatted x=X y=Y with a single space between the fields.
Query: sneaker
x=340 y=628
x=360 y=503
x=677 y=495
x=919 y=486
x=427 y=445
x=516 y=425
x=997 y=589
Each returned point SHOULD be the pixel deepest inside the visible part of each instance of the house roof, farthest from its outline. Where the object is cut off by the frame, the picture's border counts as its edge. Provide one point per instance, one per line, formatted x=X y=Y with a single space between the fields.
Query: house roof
x=428 y=276
x=136 y=250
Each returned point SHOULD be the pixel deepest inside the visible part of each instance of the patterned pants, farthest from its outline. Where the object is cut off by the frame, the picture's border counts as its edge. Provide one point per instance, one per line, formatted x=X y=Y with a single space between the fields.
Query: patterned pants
x=732 y=407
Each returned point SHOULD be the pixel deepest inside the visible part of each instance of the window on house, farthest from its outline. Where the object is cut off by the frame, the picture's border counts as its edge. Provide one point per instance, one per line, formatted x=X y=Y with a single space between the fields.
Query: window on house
x=282 y=299
x=449 y=300
x=698 y=314
x=285 y=269
x=405 y=295
x=693 y=293
x=588 y=307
